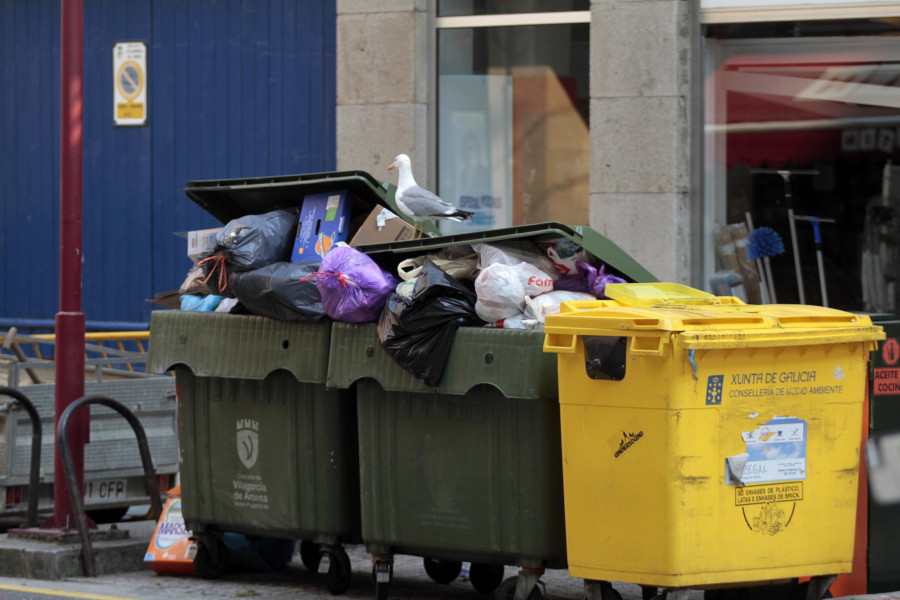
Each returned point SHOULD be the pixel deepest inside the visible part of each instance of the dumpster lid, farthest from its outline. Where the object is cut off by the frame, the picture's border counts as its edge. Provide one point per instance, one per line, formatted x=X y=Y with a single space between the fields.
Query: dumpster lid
x=703 y=320
x=616 y=259
x=229 y=199
x=657 y=294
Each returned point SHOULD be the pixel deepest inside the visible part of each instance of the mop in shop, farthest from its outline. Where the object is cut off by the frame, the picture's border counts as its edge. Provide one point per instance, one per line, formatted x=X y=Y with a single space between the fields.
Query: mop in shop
x=789 y=201
x=763 y=243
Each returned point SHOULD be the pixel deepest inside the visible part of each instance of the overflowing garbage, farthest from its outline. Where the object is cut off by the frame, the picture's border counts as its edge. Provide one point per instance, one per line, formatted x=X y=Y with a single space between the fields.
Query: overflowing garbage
x=310 y=263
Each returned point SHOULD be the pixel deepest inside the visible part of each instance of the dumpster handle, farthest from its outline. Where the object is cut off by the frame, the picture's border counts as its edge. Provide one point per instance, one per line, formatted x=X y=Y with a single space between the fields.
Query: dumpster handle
x=62 y=442
x=641 y=345
x=559 y=343
x=36 y=434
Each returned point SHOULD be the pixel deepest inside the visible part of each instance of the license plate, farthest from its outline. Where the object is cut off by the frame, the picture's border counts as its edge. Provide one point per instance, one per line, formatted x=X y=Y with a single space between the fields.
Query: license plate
x=102 y=490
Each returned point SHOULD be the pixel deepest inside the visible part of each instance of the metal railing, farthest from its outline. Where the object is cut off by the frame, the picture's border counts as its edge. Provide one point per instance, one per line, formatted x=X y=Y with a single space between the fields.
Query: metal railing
x=34 y=468
x=62 y=442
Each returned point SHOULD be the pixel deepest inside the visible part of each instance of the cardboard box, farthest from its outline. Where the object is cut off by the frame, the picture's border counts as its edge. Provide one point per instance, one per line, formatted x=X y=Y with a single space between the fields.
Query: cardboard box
x=324 y=221
x=200 y=241
x=382 y=226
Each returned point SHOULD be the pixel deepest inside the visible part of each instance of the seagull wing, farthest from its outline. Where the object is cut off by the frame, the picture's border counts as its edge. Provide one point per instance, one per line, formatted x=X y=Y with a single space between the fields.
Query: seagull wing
x=420 y=203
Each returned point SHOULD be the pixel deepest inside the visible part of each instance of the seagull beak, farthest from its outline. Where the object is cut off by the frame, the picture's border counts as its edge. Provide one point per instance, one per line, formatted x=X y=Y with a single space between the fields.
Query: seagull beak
x=390 y=166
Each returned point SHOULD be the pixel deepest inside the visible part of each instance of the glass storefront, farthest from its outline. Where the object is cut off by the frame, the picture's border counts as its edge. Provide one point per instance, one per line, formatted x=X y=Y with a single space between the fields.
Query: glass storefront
x=513 y=106
x=803 y=138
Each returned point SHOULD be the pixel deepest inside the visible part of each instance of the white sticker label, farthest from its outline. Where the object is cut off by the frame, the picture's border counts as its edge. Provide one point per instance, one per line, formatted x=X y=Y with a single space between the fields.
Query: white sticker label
x=776 y=451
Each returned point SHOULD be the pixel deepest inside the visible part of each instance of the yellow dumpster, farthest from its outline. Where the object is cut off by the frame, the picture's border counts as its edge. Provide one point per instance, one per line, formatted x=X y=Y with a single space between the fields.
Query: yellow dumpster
x=706 y=441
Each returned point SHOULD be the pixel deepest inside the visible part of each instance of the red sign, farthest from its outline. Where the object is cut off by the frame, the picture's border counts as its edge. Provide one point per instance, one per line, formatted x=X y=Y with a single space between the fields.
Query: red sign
x=887 y=381
x=891 y=351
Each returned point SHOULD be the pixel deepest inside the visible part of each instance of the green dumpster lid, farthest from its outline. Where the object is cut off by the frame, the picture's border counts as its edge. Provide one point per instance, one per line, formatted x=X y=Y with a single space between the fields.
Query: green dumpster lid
x=616 y=259
x=229 y=199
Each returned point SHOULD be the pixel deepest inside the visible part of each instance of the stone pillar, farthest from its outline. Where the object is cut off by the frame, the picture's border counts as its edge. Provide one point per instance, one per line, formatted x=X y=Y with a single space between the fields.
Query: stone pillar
x=644 y=182
x=383 y=62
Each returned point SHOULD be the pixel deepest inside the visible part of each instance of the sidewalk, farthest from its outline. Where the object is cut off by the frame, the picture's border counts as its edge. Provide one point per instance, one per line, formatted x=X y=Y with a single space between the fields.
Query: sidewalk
x=138 y=582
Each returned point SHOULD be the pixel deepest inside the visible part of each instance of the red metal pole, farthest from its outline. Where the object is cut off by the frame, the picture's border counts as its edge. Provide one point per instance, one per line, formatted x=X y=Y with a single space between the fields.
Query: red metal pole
x=70 y=319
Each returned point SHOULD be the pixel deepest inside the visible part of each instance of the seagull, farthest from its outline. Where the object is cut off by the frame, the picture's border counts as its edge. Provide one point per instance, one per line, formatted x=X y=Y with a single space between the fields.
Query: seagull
x=419 y=203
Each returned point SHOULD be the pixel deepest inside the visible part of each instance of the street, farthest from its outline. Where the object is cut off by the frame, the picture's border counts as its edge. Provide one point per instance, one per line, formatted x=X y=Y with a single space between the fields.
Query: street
x=293 y=582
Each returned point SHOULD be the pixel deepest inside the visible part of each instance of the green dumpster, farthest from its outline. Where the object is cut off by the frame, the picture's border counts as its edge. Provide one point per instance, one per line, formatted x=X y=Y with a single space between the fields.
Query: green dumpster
x=266 y=449
x=472 y=472
x=884 y=418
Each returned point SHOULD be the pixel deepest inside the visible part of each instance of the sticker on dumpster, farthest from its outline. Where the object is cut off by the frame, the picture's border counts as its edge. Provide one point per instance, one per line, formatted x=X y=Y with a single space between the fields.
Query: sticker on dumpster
x=768 y=509
x=776 y=451
x=630 y=435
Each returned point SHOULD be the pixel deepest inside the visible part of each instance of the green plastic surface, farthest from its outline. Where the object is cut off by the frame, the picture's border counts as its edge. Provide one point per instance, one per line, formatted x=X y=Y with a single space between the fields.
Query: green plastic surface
x=472 y=473
x=468 y=478
x=237 y=346
x=617 y=260
x=273 y=457
x=228 y=199
x=266 y=449
x=511 y=360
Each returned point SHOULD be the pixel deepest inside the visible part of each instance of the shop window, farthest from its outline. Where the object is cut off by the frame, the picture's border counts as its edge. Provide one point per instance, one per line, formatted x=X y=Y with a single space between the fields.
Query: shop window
x=513 y=106
x=809 y=128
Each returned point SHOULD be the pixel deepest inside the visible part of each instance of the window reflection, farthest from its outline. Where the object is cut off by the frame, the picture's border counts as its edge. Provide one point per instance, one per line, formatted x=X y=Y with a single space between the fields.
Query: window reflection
x=811 y=127
x=513 y=139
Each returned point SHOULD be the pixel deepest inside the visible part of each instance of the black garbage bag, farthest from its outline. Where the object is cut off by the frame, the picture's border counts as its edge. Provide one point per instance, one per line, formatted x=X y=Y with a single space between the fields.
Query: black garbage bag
x=418 y=331
x=277 y=291
x=246 y=244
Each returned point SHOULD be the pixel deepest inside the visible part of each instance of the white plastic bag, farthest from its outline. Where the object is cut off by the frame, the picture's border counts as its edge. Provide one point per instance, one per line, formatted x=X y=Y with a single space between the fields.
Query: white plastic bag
x=513 y=253
x=500 y=293
x=548 y=304
x=534 y=280
x=519 y=322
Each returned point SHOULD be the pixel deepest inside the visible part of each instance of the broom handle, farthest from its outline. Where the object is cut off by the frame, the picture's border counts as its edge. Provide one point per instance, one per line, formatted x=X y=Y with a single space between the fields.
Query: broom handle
x=770 y=281
x=796 y=254
x=765 y=287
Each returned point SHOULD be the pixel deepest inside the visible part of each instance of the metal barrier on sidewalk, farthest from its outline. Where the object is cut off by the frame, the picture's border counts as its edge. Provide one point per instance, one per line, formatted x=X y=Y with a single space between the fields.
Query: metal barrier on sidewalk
x=34 y=469
x=62 y=441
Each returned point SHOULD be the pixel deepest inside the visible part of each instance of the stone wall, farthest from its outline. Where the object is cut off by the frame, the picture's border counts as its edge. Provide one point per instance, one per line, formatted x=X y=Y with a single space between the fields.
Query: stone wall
x=383 y=71
x=644 y=177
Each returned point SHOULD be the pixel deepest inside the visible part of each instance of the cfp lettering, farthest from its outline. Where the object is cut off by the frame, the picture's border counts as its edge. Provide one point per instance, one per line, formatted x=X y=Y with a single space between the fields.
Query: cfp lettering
x=114 y=488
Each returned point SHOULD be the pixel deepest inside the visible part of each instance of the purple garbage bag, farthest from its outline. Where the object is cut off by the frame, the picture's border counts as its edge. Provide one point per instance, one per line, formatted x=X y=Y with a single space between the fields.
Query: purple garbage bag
x=354 y=289
x=571 y=283
x=597 y=278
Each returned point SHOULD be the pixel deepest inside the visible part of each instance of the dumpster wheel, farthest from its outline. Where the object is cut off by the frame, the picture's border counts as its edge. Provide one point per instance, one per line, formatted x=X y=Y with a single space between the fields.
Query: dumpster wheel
x=507 y=590
x=442 y=571
x=337 y=580
x=485 y=578
x=310 y=556
x=211 y=561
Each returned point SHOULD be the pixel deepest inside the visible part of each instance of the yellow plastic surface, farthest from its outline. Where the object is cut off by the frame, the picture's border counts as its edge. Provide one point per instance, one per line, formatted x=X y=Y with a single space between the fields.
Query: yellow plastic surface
x=658 y=293
x=647 y=499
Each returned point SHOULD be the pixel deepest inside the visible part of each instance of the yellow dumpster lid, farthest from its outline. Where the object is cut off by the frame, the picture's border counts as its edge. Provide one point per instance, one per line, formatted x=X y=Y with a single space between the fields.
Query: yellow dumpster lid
x=702 y=320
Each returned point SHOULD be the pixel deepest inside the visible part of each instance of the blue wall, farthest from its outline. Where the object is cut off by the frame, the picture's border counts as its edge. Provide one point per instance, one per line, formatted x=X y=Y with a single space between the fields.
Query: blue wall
x=236 y=88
